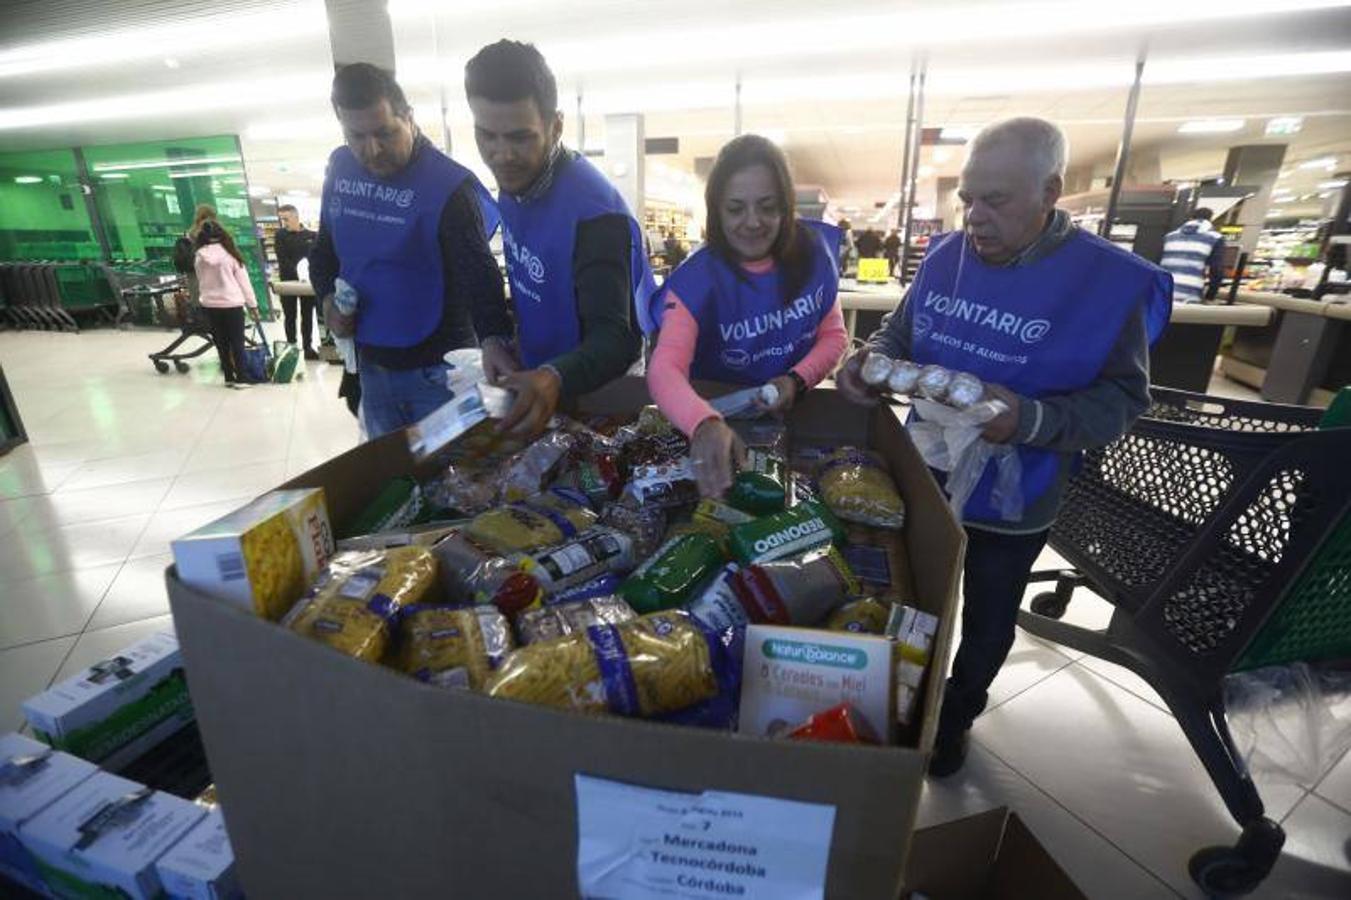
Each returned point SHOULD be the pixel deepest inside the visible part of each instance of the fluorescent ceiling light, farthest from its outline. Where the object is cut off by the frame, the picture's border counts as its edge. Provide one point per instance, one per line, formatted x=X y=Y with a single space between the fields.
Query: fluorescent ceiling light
x=1285 y=125
x=1332 y=185
x=1323 y=162
x=206 y=173
x=165 y=163
x=259 y=190
x=28 y=179
x=113 y=176
x=294 y=129
x=1210 y=126
x=1273 y=213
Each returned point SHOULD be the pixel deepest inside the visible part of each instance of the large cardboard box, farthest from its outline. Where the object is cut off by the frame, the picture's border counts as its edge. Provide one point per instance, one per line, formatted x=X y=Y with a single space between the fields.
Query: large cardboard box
x=343 y=779
x=988 y=856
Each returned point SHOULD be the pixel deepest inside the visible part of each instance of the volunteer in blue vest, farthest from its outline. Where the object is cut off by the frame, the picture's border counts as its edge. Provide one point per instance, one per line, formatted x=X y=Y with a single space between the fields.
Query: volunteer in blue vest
x=1058 y=323
x=575 y=260
x=406 y=226
x=756 y=305
x=1194 y=254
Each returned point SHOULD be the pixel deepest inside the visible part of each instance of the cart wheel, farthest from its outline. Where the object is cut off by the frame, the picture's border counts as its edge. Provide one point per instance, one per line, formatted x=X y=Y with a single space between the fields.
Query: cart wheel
x=161 y=366
x=1235 y=871
x=1049 y=605
x=181 y=366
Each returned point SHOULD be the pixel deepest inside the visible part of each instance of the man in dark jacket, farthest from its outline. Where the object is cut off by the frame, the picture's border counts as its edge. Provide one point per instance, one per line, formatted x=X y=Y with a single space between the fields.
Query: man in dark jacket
x=293 y=242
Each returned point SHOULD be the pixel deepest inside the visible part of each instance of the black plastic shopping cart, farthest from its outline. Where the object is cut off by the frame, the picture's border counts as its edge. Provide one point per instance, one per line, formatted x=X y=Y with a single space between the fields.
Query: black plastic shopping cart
x=192 y=324
x=1220 y=532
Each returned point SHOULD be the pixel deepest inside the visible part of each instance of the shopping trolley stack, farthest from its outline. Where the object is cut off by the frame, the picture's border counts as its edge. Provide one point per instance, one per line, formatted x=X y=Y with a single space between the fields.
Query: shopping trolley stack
x=1220 y=531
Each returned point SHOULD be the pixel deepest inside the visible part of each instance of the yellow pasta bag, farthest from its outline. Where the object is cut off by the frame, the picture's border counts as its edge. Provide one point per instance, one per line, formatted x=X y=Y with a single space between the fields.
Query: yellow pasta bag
x=858 y=488
x=351 y=606
x=651 y=665
x=439 y=639
x=540 y=521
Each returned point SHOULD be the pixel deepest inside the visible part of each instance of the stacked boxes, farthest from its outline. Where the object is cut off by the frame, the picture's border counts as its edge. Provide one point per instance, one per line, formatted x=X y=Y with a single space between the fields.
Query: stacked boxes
x=202 y=865
x=32 y=777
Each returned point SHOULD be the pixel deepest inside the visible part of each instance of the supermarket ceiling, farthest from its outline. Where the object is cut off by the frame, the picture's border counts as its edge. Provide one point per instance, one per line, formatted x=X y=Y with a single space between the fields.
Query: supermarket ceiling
x=828 y=81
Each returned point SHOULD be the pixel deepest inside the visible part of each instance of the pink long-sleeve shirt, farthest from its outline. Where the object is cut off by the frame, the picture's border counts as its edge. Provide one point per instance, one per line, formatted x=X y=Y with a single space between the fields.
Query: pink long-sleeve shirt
x=668 y=372
x=221 y=281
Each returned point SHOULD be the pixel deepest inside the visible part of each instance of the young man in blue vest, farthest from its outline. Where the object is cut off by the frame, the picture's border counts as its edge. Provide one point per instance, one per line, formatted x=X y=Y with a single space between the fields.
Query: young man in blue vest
x=1194 y=254
x=575 y=259
x=1058 y=323
x=405 y=226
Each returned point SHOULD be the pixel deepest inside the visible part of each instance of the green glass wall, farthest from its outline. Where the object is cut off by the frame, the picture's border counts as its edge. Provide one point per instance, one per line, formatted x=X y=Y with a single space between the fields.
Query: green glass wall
x=147 y=194
x=43 y=214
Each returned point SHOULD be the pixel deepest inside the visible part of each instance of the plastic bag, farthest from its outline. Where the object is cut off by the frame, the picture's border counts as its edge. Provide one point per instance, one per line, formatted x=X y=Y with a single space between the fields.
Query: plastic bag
x=530 y=471
x=1290 y=721
x=553 y=622
x=439 y=639
x=949 y=440
x=345 y=300
x=858 y=488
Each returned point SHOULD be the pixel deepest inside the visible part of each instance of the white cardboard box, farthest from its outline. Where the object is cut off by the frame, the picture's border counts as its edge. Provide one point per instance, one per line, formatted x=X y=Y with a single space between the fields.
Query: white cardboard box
x=118 y=708
x=792 y=673
x=202 y=865
x=32 y=777
x=107 y=832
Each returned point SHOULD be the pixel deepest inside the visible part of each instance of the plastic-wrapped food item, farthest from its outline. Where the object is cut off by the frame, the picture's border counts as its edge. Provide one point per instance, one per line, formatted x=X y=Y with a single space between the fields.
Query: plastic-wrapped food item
x=542 y=520
x=646 y=525
x=604 y=586
x=965 y=390
x=718 y=607
x=904 y=378
x=589 y=555
x=875 y=369
x=792 y=531
x=595 y=473
x=802 y=488
x=531 y=470
x=715 y=519
x=858 y=488
x=651 y=420
x=651 y=449
x=664 y=485
x=655 y=664
x=455 y=488
x=800 y=591
x=760 y=487
x=439 y=639
x=398 y=505
x=839 y=724
x=473 y=573
x=879 y=560
x=672 y=574
x=934 y=382
x=359 y=594
x=866 y=616
x=566 y=618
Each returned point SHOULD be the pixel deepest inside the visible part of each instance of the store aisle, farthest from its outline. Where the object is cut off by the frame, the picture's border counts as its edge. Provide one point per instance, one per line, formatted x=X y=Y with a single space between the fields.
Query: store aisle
x=122 y=460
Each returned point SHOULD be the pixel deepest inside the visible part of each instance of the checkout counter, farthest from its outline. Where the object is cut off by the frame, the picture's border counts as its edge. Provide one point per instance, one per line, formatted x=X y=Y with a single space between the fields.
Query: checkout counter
x=1302 y=355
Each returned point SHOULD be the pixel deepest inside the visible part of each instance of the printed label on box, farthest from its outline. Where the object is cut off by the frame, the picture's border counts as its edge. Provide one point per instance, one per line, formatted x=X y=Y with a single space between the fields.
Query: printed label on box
x=642 y=844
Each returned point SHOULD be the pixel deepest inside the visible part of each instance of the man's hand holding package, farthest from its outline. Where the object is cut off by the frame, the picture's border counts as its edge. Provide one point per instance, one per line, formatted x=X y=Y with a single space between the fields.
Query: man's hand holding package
x=498 y=359
x=1001 y=428
x=339 y=325
x=537 y=392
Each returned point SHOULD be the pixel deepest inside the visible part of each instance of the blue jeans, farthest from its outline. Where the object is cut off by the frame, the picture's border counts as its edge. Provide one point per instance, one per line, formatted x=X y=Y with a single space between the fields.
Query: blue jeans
x=997 y=566
x=392 y=399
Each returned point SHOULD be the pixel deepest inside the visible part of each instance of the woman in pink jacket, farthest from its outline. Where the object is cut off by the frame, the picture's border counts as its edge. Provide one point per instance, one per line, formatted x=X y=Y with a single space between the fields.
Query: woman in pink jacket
x=225 y=290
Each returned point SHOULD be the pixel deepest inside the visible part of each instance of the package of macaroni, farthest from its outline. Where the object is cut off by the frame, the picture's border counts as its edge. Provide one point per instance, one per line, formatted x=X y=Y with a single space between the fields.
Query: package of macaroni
x=655 y=664
x=562 y=619
x=473 y=573
x=857 y=487
x=866 y=616
x=263 y=556
x=356 y=600
x=539 y=521
x=797 y=591
x=437 y=640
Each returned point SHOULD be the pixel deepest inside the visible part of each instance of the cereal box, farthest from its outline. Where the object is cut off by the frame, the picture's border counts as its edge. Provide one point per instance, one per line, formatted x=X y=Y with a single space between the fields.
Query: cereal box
x=118 y=708
x=263 y=556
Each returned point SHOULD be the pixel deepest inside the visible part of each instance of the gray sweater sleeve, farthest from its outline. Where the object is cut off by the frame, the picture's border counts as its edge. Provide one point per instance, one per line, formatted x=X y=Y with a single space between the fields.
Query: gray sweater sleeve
x=893 y=338
x=1101 y=412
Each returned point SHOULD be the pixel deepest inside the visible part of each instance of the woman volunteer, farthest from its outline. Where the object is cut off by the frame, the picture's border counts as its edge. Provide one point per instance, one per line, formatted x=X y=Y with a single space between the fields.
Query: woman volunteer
x=757 y=305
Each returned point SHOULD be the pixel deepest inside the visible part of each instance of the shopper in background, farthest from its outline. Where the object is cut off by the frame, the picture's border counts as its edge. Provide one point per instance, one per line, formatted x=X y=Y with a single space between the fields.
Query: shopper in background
x=405 y=226
x=293 y=242
x=673 y=250
x=575 y=254
x=203 y=212
x=757 y=305
x=224 y=290
x=869 y=245
x=1058 y=323
x=891 y=249
x=1194 y=254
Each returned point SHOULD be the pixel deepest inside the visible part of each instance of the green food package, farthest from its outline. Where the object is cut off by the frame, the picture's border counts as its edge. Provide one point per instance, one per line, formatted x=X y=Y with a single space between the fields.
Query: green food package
x=761 y=487
x=398 y=505
x=786 y=533
x=671 y=575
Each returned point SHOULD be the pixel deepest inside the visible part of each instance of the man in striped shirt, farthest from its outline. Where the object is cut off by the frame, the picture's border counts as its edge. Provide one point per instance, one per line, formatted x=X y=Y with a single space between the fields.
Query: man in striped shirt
x=1191 y=250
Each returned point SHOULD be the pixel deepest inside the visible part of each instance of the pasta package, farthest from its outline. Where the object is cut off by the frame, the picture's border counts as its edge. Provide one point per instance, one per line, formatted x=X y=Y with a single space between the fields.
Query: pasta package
x=866 y=616
x=440 y=639
x=858 y=488
x=359 y=595
x=655 y=664
x=540 y=521
x=568 y=618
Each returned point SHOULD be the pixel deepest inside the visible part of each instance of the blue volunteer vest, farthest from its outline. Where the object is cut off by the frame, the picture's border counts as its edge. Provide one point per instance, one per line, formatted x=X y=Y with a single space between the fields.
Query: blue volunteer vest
x=748 y=334
x=1040 y=329
x=385 y=234
x=538 y=238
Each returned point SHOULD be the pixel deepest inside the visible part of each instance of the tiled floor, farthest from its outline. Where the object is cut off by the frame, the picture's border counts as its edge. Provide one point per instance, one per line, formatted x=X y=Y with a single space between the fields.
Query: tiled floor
x=122 y=460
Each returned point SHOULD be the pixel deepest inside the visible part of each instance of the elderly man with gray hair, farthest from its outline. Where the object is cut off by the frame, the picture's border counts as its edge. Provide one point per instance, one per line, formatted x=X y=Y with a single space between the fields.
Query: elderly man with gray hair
x=1058 y=323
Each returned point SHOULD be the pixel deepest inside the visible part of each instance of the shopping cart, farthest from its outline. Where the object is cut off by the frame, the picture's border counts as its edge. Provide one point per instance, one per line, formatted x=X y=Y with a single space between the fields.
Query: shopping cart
x=1220 y=532
x=192 y=324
